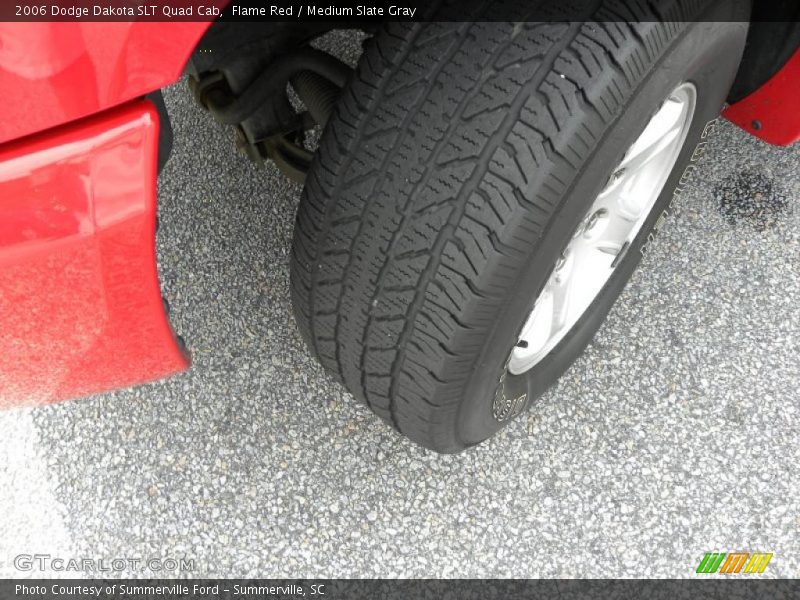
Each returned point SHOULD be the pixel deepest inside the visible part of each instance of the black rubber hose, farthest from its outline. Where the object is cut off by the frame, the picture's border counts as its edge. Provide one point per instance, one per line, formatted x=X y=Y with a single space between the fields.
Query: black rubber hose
x=317 y=93
x=273 y=80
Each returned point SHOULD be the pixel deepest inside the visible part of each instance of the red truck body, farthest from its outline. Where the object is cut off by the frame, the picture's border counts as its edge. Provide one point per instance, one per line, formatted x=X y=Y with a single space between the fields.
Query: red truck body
x=80 y=305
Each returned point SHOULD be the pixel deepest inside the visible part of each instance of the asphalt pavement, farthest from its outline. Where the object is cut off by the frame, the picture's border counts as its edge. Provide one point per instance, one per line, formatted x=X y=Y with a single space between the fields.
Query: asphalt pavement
x=675 y=434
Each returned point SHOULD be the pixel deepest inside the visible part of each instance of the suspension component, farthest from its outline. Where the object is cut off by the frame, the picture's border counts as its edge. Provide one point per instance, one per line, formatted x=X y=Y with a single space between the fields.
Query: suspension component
x=318 y=93
x=267 y=127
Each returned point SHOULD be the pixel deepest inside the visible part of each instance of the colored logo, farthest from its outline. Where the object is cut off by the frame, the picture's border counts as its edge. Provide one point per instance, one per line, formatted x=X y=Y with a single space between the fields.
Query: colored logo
x=736 y=562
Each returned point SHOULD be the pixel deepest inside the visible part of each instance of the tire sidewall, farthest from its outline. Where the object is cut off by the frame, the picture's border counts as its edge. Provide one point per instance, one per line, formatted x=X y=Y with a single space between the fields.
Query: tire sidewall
x=706 y=54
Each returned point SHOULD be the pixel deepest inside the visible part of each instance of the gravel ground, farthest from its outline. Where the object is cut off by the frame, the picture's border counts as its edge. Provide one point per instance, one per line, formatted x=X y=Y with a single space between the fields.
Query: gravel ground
x=675 y=433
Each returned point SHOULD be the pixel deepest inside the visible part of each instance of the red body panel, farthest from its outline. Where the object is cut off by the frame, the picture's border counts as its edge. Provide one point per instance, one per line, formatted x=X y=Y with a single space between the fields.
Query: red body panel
x=772 y=112
x=54 y=73
x=80 y=305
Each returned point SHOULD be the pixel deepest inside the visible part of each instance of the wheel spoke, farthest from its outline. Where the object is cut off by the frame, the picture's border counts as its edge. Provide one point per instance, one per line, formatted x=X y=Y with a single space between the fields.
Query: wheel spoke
x=593 y=267
x=562 y=287
x=643 y=156
x=659 y=135
x=538 y=327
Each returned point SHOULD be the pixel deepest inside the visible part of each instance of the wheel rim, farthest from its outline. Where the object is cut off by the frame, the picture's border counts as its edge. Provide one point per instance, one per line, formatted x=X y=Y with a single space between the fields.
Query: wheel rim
x=605 y=234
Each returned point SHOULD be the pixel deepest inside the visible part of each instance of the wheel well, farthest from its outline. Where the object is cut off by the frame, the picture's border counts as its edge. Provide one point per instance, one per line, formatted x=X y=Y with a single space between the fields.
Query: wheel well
x=773 y=37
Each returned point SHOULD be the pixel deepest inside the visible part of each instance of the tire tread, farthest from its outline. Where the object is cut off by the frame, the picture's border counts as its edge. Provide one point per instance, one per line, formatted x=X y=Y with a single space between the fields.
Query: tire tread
x=448 y=153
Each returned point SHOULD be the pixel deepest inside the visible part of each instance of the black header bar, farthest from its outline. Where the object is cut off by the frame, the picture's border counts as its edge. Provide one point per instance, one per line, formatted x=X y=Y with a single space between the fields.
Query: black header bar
x=366 y=11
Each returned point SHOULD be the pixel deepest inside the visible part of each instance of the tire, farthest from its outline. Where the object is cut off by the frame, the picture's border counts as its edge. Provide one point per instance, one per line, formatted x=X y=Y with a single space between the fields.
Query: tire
x=456 y=167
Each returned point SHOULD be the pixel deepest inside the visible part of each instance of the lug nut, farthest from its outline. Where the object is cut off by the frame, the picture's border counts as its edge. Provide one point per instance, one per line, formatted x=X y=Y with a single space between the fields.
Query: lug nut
x=591 y=222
